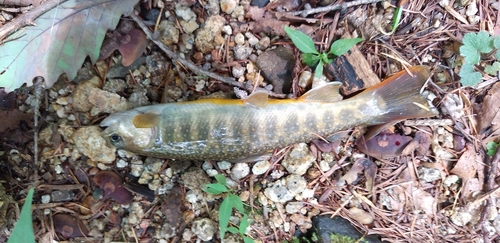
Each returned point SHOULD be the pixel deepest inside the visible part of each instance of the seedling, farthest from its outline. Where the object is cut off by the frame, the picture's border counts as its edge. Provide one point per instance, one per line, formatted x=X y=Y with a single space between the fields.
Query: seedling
x=23 y=230
x=491 y=148
x=226 y=208
x=475 y=44
x=311 y=56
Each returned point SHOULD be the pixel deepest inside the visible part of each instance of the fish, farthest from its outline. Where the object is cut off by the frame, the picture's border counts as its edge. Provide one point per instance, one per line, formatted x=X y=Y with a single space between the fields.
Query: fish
x=234 y=129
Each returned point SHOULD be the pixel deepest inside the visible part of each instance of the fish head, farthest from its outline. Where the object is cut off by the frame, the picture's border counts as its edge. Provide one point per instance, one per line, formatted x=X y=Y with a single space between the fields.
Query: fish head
x=123 y=134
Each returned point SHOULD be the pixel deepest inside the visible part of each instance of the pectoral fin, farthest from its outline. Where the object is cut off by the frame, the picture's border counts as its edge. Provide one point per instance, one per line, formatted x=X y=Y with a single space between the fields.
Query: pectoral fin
x=324 y=93
x=146 y=120
x=258 y=99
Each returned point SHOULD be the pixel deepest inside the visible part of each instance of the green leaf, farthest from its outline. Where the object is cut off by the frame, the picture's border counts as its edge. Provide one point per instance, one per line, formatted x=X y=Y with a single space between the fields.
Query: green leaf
x=339 y=47
x=468 y=76
x=247 y=239
x=496 y=42
x=236 y=202
x=492 y=148
x=481 y=41
x=475 y=44
x=244 y=223
x=23 y=230
x=470 y=54
x=233 y=230
x=492 y=69
x=221 y=179
x=324 y=57
x=215 y=188
x=319 y=69
x=225 y=212
x=310 y=59
x=59 y=41
x=497 y=55
x=302 y=41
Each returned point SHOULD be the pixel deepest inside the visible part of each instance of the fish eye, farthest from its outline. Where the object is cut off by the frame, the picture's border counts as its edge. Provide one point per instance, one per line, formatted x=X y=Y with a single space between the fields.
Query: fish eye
x=116 y=140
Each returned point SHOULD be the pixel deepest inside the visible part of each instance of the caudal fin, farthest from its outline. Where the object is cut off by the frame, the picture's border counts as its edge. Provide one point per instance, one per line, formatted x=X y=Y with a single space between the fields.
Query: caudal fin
x=400 y=95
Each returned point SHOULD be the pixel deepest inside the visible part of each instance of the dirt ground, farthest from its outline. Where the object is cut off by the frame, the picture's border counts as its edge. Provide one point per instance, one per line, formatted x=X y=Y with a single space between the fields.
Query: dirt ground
x=421 y=180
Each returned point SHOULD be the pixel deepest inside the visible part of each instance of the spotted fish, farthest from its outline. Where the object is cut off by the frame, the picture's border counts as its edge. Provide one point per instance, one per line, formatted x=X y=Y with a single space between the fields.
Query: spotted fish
x=227 y=129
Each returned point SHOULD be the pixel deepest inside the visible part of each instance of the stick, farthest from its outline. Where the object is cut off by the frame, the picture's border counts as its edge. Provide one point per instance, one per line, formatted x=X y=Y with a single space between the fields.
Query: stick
x=306 y=12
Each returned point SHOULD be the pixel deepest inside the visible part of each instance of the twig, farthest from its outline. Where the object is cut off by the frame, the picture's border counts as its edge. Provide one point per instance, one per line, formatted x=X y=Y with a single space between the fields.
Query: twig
x=490 y=184
x=306 y=12
x=38 y=93
x=27 y=18
x=175 y=58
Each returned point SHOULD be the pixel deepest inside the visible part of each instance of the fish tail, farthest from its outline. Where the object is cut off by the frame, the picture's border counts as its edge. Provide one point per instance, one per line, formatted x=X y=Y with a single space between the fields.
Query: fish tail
x=399 y=96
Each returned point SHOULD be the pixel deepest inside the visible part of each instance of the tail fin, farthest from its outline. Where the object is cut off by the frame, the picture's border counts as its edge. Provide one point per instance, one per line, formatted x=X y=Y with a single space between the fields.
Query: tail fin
x=400 y=94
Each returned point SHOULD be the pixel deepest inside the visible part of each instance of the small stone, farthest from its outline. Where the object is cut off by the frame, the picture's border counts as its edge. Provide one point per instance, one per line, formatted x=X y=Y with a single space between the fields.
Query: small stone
x=227 y=30
x=121 y=163
x=62 y=196
x=324 y=166
x=203 y=228
x=184 y=12
x=450 y=180
x=239 y=39
x=224 y=165
x=189 y=26
x=200 y=84
x=296 y=184
x=252 y=40
x=136 y=168
x=114 y=85
x=319 y=81
x=261 y=167
x=169 y=34
x=228 y=6
x=205 y=39
x=82 y=92
x=361 y=216
x=264 y=43
x=460 y=218
x=191 y=196
x=239 y=171
x=276 y=66
x=244 y=196
x=294 y=207
x=238 y=71
x=195 y=178
x=45 y=198
x=278 y=193
x=106 y=102
x=298 y=160
x=305 y=79
x=88 y=140
x=63 y=100
x=429 y=174
x=242 y=52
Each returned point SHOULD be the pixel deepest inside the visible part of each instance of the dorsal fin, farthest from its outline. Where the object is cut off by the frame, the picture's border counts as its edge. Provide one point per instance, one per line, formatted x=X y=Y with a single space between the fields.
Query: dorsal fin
x=325 y=93
x=146 y=120
x=258 y=98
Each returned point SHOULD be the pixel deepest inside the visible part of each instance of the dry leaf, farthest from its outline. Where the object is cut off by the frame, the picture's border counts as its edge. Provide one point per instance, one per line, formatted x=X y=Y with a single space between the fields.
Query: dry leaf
x=489 y=115
x=465 y=168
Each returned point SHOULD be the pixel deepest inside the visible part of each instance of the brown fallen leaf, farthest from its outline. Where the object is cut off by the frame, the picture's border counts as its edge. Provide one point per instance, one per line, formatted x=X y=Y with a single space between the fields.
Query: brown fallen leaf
x=488 y=115
x=69 y=226
x=383 y=145
x=11 y=119
x=465 y=168
x=112 y=184
x=361 y=165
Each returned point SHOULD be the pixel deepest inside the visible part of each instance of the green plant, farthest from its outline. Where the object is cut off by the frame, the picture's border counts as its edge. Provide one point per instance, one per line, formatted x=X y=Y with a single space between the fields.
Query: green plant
x=23 y=230
x=491 y=148
x=310 y=56
x=230 y=202
x=473 y=45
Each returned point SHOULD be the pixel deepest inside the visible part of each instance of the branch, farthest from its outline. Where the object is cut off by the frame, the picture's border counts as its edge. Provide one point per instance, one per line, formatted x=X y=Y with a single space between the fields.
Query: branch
x=306 y=12
x=27 y=18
